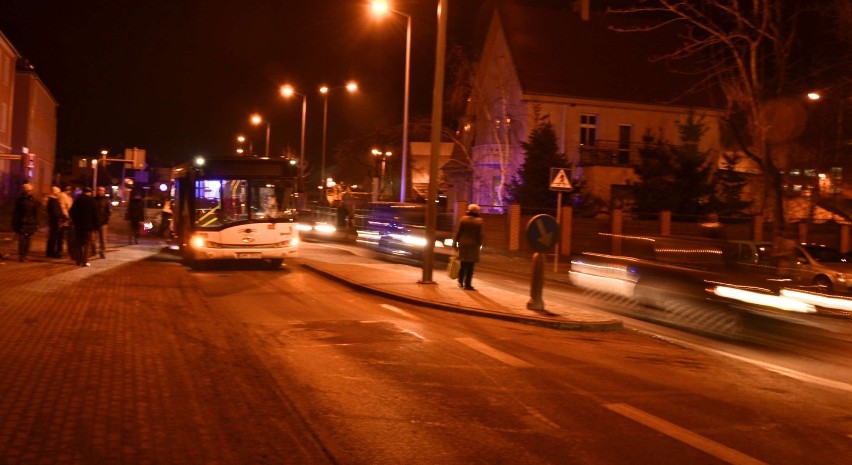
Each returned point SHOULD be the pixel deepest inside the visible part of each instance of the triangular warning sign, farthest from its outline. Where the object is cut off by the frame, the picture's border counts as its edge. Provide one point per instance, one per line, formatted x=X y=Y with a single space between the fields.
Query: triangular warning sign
x=560 y=181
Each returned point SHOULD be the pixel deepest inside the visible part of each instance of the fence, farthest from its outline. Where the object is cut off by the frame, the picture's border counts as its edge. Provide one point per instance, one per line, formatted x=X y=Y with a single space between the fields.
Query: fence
x=506 y=231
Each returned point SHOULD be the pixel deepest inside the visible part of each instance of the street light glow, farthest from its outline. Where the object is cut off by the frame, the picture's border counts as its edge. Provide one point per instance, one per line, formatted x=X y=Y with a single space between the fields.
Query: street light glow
x=814 y=95
x=380 y=7
x=287 y=90
x=256 y=119
x=351 y=86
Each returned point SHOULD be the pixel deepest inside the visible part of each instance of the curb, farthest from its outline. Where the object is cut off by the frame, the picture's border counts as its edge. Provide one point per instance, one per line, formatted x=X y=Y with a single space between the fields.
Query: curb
x=558 y=323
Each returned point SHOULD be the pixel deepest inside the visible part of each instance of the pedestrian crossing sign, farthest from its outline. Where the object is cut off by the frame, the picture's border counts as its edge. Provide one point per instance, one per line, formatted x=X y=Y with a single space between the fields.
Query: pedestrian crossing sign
x=560 y=179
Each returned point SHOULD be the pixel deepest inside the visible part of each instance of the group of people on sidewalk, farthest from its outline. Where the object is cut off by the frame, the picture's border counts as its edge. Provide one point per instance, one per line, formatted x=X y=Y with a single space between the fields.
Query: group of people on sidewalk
x=80 y=224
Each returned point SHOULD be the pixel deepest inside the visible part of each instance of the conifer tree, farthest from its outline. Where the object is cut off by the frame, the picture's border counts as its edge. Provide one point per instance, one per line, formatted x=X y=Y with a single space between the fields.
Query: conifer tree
x=531 y=185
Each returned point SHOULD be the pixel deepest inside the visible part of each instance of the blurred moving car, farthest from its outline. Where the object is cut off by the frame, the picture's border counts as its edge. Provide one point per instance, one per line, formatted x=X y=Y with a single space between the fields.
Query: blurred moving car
x=814 y=265
x=153 y=214
x=824 y=267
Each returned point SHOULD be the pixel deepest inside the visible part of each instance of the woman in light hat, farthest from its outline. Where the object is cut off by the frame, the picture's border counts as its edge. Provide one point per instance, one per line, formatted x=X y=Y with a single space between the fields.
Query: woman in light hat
x=468 y=241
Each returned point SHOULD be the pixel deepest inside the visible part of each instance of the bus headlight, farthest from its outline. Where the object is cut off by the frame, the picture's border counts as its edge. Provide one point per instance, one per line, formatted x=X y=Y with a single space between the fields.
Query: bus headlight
x=198 y=241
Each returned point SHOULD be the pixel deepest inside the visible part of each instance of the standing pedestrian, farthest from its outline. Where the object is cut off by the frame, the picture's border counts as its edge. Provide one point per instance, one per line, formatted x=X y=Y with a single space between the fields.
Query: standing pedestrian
x=135 y=216
x=165 y=229
x=468 y=242
x=55 y=221
x=66 y=199
x=84 y=216
x=349 y=207
x=25 y=220
x=104 y=212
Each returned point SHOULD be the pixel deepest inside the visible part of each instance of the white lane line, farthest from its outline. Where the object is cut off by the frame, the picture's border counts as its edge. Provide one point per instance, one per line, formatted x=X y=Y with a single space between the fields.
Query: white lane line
x=493 y=353
x=825 y=382
x=683 y=435
x=400 y=311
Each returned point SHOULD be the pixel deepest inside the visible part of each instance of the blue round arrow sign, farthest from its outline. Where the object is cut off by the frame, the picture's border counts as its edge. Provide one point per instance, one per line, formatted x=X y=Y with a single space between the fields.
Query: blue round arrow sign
x=542 y=233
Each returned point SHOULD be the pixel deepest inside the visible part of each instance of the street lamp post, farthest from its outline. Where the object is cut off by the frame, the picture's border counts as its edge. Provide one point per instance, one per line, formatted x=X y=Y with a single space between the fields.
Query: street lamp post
x=381 y=7
x=437 y=117
x=381 y=185
x=95 y=168
x=256 y=119
x=288 y=91
x=324 y=90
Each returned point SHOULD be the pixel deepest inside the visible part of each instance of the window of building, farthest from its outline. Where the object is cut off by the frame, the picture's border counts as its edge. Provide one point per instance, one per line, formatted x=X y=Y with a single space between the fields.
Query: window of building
x=588 y=130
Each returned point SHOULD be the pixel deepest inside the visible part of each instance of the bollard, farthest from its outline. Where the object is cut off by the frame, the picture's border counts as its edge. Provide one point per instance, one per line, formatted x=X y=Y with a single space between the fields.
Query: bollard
x=536 y=302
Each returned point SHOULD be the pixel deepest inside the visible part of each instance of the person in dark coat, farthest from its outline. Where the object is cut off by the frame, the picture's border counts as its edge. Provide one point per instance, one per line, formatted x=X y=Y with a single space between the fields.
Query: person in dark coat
x=135 y=216
x=25 y=220
x=56 y=219
x=104 y=212
x=468 y=242
x=84 y=216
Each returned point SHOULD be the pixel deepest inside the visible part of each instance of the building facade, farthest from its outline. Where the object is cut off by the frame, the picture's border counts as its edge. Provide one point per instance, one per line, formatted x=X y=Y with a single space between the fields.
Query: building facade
x=596 y=86
x=8 y=57
x=34 y=130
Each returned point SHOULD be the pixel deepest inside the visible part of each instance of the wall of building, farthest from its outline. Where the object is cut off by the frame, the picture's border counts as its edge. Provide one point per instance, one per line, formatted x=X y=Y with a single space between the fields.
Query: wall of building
x=35 y=128
x=8 y=57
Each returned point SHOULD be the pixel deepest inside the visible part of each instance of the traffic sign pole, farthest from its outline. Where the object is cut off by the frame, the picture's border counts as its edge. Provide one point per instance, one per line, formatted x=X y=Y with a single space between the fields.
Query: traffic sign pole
x=559 y=228
x=542 y=235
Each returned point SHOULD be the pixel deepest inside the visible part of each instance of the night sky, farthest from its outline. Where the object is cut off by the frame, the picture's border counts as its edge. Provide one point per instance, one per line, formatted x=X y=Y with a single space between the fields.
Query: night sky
x=180 y=77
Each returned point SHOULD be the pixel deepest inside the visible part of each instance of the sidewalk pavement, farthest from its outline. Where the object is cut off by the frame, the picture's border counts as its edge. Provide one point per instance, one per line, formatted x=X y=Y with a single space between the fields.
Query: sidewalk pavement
x=490 y=299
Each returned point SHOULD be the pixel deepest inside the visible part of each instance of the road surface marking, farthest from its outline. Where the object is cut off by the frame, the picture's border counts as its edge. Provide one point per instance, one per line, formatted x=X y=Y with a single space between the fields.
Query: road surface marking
x=825 y=382
x=493 y=353
x=400 y=311
x=683 y=435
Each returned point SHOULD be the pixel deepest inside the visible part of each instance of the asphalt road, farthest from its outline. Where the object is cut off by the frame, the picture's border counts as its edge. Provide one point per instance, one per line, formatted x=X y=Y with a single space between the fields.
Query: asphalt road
x=156 y=363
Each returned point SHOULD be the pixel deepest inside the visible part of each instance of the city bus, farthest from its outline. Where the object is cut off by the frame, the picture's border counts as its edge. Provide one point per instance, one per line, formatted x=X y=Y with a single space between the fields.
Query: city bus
x=236 y=208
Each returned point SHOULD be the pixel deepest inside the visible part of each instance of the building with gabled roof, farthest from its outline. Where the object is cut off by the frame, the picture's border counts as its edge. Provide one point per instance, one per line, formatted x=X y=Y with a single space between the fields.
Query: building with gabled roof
x=598 y=87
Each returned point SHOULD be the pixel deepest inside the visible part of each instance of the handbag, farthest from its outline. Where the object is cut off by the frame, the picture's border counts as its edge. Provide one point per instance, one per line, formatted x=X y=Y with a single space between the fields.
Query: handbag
x=453 y=267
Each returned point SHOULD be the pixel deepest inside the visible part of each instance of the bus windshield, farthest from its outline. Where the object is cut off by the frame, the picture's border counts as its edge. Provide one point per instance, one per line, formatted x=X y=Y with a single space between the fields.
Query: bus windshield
x=219 y=202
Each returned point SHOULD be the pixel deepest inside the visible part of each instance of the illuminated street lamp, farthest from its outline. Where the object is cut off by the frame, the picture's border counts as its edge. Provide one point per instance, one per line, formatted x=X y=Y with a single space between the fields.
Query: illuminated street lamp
x=242 y=140
x=324 y=90
x=256 y=119
x=382 y=8
x=288 y=91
